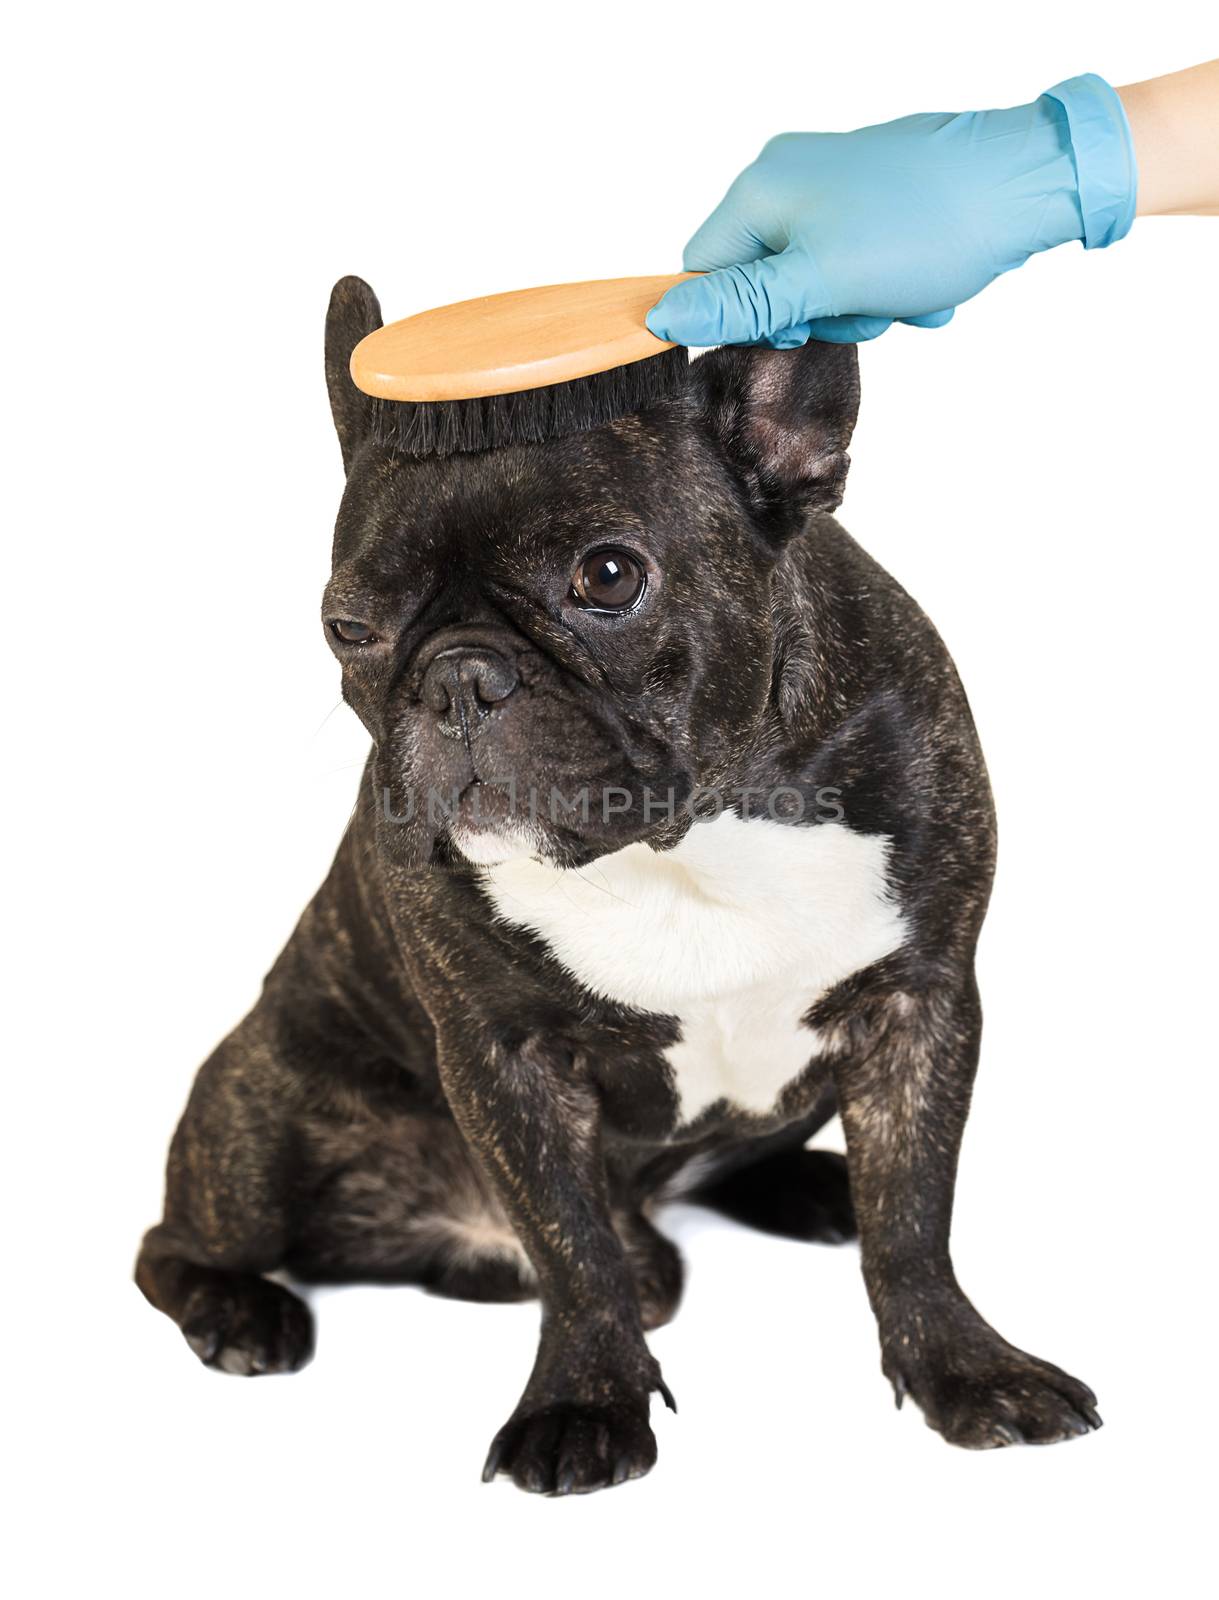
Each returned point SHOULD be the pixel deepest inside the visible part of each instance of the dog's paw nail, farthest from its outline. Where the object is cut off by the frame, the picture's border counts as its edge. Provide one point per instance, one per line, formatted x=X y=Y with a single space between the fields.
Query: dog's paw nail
x=205 y=1343
x=899 y=1391
x=1004 y=1433
x=566 y=1481
x=666 y=1394
x=622 y=1470
x=1091 y=1415
x=494 y=1456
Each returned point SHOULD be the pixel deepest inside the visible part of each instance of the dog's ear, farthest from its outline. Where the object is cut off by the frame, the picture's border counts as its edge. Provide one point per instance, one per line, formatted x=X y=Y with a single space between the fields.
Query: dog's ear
x=782 y=419
x=352 y=313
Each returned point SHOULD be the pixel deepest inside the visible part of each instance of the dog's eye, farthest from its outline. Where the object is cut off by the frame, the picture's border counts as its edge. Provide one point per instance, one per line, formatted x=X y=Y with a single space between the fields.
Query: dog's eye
x=609 y=580
x=352 y=632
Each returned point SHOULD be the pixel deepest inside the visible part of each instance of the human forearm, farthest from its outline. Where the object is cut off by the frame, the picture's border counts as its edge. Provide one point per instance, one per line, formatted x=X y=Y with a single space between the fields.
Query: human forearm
x=1175 y=124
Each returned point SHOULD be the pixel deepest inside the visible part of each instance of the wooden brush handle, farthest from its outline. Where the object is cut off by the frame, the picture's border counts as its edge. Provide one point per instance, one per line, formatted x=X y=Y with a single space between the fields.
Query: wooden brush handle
x=503 y=343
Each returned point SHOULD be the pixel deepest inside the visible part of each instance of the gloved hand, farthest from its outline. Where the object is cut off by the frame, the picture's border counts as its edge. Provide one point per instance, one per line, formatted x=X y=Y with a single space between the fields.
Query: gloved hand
x=835 y=235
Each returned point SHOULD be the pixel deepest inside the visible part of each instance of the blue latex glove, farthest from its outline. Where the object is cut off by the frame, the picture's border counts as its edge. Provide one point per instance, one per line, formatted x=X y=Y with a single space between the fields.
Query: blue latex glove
x=836 y=235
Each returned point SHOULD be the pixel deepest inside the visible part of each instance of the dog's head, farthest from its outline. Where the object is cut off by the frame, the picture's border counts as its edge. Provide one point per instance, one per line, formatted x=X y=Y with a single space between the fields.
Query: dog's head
x=555 y=646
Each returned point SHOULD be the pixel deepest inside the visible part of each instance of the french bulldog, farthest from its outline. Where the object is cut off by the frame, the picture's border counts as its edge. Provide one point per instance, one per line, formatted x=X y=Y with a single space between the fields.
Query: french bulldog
x=675 y=838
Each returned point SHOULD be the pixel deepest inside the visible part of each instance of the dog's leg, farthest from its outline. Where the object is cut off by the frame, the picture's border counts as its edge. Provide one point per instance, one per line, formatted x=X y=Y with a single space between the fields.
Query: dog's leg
x=533 y=1119
x=399 y=1198
x=797 y=1194
x=777 y=1186
x=655 y=1264
x=227 y=1216
x=904 y=1084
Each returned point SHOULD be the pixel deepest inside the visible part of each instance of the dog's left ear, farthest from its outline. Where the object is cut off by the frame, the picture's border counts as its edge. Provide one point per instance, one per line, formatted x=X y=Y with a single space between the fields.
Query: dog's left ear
x=783 y=420
x=353 y=312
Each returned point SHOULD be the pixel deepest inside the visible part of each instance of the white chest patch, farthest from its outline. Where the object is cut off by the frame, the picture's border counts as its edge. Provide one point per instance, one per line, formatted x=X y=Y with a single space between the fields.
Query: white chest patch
x=736 y=933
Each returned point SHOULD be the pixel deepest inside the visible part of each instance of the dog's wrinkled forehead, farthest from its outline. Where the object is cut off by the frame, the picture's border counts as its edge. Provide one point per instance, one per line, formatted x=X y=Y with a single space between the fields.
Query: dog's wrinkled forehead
x=512 y=516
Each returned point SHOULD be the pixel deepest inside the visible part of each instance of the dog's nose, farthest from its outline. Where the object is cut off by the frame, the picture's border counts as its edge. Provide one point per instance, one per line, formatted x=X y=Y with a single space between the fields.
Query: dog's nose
x=463 y=685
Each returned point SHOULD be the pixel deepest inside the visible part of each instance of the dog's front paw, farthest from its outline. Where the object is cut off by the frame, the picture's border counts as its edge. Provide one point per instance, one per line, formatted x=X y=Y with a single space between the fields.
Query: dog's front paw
x=994 y=1395
x=572 y=1448
x=247 y=1325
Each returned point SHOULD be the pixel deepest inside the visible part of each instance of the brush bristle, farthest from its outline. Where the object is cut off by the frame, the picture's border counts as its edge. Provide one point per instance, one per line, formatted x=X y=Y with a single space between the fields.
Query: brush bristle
x=451 y=427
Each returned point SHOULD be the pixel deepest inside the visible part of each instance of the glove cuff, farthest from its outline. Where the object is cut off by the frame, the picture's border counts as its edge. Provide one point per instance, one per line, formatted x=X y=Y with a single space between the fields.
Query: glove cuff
x=1103 y=148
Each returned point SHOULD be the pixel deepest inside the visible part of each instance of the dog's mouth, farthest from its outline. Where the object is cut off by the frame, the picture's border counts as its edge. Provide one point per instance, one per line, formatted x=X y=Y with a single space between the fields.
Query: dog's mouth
x=484 y=804
x=494 y=822
x=505 y=799
x=571 y=827
x=486 y=828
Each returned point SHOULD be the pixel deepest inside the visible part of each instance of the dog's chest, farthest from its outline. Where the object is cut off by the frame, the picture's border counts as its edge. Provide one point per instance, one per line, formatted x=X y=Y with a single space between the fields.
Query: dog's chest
x=737 y=933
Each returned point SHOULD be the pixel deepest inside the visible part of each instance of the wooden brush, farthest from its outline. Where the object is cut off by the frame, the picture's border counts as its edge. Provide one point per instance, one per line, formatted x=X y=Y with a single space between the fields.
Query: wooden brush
x=518 y=368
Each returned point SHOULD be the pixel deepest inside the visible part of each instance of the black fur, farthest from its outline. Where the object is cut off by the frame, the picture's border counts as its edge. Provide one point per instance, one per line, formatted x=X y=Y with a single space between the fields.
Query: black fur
x=450 y=427
x=423 y=1093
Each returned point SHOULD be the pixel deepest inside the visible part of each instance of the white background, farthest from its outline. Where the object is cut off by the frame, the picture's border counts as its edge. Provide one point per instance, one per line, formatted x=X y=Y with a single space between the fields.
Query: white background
x=184 y=186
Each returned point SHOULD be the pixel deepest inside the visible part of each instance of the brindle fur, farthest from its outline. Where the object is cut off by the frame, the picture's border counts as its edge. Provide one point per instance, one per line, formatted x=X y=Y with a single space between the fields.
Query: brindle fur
x=423 y=1094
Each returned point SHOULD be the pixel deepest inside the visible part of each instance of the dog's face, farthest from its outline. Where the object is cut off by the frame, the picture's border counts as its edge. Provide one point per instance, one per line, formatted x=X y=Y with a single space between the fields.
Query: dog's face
x=555 y=645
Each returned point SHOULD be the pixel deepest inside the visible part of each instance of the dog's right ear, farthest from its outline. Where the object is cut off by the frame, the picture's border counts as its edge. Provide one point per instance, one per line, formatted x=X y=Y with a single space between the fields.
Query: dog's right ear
x=782 y=420
x=353 y=312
